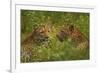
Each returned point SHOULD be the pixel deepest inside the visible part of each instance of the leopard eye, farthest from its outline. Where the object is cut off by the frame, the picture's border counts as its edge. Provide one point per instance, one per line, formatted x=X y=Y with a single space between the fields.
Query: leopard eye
x=48 y=30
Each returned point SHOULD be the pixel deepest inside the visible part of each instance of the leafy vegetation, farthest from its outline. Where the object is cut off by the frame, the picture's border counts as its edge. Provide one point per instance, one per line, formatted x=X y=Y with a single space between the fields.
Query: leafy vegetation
x=54 y=50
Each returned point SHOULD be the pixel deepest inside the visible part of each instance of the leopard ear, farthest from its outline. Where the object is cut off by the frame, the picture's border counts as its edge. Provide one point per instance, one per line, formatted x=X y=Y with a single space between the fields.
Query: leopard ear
x=71 y=28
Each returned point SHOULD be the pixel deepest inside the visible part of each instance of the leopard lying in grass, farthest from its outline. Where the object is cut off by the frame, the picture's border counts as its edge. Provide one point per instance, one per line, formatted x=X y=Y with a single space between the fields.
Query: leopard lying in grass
x=74 y=35
x=39 y=35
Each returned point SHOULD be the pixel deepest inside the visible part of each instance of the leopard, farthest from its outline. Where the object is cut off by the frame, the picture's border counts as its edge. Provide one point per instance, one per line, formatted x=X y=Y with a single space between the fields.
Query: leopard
x=73 y=34
x=39 y=35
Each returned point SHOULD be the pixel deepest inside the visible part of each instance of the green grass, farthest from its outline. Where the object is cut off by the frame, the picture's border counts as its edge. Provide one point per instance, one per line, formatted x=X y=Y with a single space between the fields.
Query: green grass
x=54 y=50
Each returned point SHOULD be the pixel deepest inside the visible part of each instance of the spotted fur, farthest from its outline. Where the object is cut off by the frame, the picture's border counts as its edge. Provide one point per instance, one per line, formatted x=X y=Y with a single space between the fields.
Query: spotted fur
x=72 y=32
x=39 y=35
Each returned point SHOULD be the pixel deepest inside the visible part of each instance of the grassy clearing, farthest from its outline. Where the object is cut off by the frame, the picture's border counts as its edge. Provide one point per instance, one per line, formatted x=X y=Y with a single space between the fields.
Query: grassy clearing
x=54 y=50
